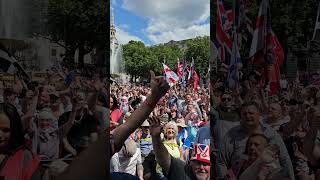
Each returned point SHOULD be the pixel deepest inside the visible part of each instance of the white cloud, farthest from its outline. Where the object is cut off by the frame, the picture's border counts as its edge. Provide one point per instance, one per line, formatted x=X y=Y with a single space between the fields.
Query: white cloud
x=172 y=19
x=124 y=37
x=181 y=34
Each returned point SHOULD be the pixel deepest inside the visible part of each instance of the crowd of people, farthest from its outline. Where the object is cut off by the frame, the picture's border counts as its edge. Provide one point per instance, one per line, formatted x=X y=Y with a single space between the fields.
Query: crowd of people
x=58 y=129
x=171 y=142
x=46 y=124
x=263 y=136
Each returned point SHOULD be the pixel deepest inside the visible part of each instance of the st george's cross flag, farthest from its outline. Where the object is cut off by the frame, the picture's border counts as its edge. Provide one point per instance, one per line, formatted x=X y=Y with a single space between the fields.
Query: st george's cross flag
x=171 y=77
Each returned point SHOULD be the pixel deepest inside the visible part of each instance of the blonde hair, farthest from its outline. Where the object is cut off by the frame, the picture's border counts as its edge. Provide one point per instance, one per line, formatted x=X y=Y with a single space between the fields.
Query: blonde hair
x=171 y=124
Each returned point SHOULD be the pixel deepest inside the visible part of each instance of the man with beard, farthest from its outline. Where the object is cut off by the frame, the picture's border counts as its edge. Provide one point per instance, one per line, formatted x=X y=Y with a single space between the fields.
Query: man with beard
x=173 y=168
x=234 y=144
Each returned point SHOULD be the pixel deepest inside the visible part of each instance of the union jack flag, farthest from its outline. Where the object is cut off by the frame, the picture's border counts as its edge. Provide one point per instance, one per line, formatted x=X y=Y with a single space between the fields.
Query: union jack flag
x=223 y=30
x=201 y=153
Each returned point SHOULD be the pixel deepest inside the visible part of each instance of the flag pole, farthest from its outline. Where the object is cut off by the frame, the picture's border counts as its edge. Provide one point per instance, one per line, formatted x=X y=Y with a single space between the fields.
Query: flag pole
x=317 y=23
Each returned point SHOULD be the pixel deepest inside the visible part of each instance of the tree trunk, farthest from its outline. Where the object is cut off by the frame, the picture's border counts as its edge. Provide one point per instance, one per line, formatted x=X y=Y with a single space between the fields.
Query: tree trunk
x=69 y=57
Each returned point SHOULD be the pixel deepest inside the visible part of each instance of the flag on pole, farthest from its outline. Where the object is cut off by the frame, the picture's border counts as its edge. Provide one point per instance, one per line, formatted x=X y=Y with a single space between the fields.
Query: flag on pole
x=191 y=70
x=233 y=73
x=266 y=49
x=316 y=33
x=275 y=52
x=180 y=69
x=260 y=33
x=196 y=80
x=243 y=22
x=223 y=30
x=171 y=77
x=184 y=76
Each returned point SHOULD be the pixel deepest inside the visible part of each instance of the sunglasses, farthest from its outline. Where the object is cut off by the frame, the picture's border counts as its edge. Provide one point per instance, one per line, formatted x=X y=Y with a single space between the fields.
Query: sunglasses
x=5 y=130
x=226 y=99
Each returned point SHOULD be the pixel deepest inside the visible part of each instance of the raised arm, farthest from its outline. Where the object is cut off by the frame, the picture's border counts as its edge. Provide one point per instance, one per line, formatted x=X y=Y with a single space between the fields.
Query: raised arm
x=64 y=129
x=92 y=163
x=162 y=155
x=159 y=87
x=26 y=119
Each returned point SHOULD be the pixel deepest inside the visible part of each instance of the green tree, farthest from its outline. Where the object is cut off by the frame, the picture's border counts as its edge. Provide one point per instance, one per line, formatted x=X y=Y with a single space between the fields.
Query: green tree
x=168 y=54
x=80 y=24
x=138 y=59
x=198 y=49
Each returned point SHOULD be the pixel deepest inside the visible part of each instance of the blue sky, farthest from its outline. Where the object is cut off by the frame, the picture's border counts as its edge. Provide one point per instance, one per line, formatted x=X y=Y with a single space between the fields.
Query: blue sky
x=155 y=22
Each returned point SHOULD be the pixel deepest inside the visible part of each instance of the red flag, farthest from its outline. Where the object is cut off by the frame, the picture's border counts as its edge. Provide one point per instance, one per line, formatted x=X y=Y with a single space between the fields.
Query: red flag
x=266 y=49
x=196 y=80
x=180 y=69
x=276 y=52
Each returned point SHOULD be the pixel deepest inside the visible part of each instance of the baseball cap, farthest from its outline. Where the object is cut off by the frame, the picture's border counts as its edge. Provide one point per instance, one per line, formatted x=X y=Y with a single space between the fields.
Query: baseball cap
x=201 y=152
x=145 y=124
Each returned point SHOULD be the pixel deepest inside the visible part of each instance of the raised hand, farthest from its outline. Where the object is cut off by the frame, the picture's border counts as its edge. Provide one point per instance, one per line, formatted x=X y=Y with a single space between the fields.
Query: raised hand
x=159 y=86
x=155 y=126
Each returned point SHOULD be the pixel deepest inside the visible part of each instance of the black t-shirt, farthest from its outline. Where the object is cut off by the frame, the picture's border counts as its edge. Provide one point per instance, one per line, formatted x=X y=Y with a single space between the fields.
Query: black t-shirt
x=179 y=170
x=79 y=134
x=149 y=166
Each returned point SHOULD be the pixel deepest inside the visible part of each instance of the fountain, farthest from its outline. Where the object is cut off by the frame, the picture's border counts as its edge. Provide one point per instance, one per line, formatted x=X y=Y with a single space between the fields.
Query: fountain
x=14 y=19
x=116 y=63
x=20 y=20
x=116 y=60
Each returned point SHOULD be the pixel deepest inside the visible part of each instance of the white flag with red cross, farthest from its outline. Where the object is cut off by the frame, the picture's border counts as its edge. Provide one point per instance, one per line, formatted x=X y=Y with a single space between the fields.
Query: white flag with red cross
x=171 y=77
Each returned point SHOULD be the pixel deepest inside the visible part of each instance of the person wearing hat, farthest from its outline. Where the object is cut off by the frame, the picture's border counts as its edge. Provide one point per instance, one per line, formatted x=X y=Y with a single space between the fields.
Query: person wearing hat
x=128 y=160
x=183 y=139
x=47 y=136
x=173 y=168
x=145 y=140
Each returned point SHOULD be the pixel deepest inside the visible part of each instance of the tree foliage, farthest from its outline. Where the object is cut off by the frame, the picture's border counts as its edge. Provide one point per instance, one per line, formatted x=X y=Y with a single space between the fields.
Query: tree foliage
x=80 y=24
x=199 y=50
x=139 y=59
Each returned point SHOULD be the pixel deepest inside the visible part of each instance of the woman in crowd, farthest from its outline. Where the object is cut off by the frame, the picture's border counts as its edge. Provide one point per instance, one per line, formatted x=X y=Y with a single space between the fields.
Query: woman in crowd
x=17 y=161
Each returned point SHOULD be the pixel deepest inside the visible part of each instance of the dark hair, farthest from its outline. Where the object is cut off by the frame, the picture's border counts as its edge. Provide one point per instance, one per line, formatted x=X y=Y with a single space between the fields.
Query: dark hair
x=251 y=103
x=115 y=103
x=255 y=135
x=17 y=135
x=103 y=99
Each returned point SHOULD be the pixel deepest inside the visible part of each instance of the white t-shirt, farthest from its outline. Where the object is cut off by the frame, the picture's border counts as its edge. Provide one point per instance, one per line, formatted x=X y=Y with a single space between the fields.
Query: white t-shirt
x=119 y=163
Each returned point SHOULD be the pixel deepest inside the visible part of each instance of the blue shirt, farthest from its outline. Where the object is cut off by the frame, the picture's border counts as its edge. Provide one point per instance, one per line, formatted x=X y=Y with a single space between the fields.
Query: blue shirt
x=203 y=135
x=183 y=136
x=146 y=146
